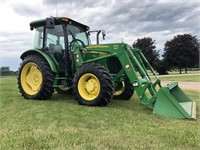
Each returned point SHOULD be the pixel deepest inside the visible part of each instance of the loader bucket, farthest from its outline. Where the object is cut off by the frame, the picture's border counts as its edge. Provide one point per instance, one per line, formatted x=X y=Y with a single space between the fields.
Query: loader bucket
x=172 y=102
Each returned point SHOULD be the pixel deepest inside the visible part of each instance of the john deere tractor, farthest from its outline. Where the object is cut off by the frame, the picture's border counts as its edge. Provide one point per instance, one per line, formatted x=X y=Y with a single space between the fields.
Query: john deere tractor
x=64 y=60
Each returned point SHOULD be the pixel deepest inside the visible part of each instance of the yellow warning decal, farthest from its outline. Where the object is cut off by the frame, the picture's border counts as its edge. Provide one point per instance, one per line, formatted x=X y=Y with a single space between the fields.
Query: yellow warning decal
x=97 y=46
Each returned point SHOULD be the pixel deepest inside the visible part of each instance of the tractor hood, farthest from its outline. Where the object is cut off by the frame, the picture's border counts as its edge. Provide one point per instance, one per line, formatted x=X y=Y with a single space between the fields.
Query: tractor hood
x=107 y=47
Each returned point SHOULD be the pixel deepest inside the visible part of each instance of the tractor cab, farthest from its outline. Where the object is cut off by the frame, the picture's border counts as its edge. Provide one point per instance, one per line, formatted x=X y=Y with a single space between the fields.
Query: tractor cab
x=55 y=35
x=58 y=31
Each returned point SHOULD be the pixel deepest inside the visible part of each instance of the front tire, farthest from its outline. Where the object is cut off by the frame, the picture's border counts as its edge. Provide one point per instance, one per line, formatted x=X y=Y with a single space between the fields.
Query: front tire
x=93 y=85
x=35 y=78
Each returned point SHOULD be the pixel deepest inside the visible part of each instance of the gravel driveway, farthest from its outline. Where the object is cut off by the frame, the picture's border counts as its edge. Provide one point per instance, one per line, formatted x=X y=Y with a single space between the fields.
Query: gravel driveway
x=195 y=86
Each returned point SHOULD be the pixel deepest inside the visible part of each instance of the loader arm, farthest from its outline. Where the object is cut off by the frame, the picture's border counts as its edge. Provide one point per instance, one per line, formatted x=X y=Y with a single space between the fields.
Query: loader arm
x=169 y=101
x=135 y=68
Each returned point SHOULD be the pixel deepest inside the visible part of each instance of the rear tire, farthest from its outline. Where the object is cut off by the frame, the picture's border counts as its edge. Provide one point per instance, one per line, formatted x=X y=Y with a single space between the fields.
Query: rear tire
x=125 y=91
x=93 y=85
x=35 y=78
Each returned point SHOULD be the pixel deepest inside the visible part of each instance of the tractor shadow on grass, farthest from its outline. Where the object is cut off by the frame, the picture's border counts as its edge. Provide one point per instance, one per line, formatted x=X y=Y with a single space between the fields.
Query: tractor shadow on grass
x=133 y=104
x=126 y=105
x=66 y=98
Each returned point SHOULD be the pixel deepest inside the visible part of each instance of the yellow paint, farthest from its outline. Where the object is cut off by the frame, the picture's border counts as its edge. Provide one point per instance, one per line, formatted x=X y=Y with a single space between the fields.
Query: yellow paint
x=96 y=52
x=89 y=87
x=121 y=90
x=115 y=46
x=31 y=78
x=97 y=46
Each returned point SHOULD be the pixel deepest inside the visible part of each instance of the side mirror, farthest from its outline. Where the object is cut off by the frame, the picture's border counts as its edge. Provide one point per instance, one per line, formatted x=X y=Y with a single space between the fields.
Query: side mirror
x=31 y=28
x=97 y=36
x=50 y=23
x=103 y=34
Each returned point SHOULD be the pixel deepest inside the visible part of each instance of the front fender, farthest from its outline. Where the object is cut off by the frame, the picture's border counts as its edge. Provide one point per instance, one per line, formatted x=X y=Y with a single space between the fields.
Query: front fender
x=48 y=58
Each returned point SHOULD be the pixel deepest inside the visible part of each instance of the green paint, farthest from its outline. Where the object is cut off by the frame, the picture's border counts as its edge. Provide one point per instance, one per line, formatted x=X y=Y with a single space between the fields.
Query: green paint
x=172 y=102
x=48 y=58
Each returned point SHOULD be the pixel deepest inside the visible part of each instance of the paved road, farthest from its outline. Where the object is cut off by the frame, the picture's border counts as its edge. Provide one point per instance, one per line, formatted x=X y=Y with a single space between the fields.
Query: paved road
x=185 y=85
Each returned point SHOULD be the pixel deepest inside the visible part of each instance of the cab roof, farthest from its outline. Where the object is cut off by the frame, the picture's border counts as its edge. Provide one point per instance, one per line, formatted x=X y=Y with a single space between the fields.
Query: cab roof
x=58 y=20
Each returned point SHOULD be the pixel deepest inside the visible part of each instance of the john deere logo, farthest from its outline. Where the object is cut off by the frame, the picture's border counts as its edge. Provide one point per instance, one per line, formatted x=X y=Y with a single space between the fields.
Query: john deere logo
x=115 y=46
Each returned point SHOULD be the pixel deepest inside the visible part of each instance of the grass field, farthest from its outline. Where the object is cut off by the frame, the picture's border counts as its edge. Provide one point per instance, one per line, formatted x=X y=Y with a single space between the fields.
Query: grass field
x=60 y=123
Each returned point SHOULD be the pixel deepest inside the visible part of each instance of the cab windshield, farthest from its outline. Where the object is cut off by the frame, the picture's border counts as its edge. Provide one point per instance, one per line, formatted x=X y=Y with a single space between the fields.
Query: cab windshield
x=75 y=32
x=54 y=38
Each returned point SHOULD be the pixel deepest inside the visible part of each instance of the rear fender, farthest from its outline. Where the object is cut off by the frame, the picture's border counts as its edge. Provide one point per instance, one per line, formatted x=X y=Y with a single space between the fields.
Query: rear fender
x=48 y=58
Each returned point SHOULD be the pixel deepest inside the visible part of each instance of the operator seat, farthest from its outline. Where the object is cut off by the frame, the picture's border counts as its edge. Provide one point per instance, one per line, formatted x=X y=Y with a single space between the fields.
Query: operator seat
x=58 y=53
x=51 y=47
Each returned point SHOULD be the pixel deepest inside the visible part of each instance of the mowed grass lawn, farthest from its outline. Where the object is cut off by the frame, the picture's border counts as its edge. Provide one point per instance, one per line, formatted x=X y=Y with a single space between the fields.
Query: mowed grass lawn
x=60 y=123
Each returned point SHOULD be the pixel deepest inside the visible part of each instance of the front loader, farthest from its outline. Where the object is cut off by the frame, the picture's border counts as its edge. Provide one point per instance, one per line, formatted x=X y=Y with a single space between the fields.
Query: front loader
x=64 y=60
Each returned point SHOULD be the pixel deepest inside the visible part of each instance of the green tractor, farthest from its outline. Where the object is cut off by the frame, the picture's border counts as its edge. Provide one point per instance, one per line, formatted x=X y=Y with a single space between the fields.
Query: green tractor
x=64 y=60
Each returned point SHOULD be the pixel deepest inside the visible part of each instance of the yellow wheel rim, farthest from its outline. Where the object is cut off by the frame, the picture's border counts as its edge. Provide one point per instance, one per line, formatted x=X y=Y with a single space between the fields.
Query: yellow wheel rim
x=31 y=78
x=120 y=91
x=89 y=86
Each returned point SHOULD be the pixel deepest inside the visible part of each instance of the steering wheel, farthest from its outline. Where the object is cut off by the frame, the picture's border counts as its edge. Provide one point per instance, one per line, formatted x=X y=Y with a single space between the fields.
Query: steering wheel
x=77 y=41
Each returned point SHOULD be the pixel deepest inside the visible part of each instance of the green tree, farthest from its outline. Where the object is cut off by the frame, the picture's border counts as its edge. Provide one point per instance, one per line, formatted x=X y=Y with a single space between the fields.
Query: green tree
x=161 y=67
x=147 y=45
x=182 y=52
x=4 y=70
